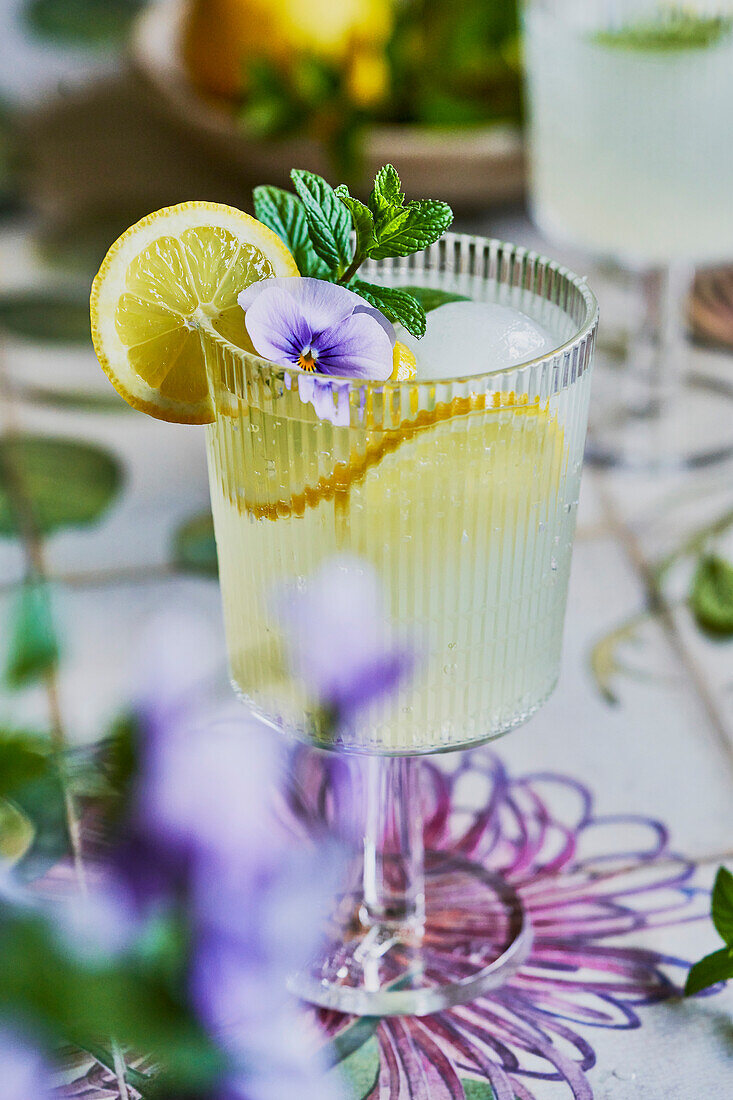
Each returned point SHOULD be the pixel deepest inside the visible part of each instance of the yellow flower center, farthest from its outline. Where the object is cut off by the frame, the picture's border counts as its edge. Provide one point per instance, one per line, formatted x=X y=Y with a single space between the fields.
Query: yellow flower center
x=307 y=360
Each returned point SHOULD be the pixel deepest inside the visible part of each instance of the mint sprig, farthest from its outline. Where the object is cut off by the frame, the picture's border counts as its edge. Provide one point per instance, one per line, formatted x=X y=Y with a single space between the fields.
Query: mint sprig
x=718 y=966
x=330 y=233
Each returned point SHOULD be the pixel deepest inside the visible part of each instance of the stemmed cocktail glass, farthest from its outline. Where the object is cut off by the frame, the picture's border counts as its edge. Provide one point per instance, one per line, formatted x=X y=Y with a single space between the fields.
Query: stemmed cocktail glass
x=461 y=493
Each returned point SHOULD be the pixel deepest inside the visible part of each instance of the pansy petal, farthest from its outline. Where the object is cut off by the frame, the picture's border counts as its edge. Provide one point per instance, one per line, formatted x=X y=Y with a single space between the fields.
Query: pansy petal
x=277 y=326
x=358 y=347
x=329 y=399
x=323 y=303
x=377 y=314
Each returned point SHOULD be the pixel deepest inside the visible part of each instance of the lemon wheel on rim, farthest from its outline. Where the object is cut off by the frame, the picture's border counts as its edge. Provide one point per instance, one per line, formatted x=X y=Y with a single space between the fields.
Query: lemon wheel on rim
x=169 y=276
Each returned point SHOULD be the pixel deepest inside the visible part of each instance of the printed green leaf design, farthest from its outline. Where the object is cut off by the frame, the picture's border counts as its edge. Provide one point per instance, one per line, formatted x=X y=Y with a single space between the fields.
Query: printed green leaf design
x=714 y=968
x=431 y=298
x=711 y=596
x=82 y=22
x=350 y=1039
x=194 y=549
x=477 y=1090
x=64 y=483
x=722 y=905
x=362 y=220
x=396 y=304
x=676 y=29
x=47 y=316
x=283 y=213
x=359 y=1071
x=33 y=649
x=328 y=219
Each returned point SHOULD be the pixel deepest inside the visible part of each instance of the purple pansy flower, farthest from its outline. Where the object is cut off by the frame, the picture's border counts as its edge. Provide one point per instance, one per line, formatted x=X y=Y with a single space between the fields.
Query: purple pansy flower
x=323 y=329
x=339 y=640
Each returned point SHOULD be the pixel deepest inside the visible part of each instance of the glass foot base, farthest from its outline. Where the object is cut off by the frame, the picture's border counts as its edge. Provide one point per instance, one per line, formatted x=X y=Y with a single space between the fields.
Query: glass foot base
x=476 y=934
x=692 y=431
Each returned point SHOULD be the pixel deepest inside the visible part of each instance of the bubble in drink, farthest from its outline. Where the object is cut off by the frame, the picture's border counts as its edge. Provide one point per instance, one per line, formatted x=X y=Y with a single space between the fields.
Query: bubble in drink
x=465 y=338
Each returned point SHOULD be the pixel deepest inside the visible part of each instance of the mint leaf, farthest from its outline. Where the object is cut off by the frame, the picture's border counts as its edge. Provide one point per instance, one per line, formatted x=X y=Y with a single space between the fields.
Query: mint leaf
x=328 y=219
x=431 y=297
x=283 y=213
x=711 y=597
x=396 y=304
x=387 y=191
x=722 y=905
x=403 y=230
x=362 y=220
x=33 y=646
x=714 y=968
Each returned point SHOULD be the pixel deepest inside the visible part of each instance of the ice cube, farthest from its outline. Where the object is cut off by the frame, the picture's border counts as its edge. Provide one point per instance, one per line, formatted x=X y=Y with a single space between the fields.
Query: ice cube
x=465 y=338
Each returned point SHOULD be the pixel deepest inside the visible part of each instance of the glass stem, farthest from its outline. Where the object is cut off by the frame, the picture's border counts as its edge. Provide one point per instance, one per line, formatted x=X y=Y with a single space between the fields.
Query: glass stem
x=661 y=343
x=394 y=857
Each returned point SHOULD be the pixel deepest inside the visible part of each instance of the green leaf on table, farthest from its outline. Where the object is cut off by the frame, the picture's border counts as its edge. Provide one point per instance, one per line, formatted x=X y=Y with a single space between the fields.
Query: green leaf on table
x=722 y=905
x=362 y=220
x=714 y=968
x=328 y=219
x=47 y=316
x=284 y=214
x=396 y=304
x=194 y=548
x=88 y=23
x=59 y=482
x=358 y=1073
x=711 y=596
x=477 y=1090
x=34 y=648
x=431 y=298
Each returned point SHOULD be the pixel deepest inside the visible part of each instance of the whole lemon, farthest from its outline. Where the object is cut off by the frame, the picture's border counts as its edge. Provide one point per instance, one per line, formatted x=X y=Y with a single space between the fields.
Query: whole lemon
x=221 y=35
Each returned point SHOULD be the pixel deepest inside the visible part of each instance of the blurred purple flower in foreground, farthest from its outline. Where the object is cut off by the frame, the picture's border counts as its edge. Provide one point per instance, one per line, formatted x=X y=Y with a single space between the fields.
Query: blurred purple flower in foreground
x=203 y=831
x=324 y=329
x=24 y=1074
x=338 y=638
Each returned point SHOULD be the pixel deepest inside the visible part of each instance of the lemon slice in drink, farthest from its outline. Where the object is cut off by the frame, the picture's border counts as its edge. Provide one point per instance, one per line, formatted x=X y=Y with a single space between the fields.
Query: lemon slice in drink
x=170 y=276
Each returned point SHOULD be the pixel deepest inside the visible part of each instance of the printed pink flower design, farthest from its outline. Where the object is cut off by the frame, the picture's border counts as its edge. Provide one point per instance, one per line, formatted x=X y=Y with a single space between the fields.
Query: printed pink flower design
x=585 y=880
